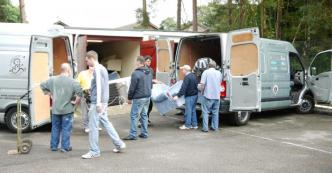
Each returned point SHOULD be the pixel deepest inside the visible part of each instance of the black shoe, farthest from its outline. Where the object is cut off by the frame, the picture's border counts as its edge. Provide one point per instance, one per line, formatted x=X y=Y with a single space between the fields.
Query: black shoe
x=205 y=131
x=139 y=126
x=212 y=129
x=142 y=136
x=129 y=138
x=66 y=150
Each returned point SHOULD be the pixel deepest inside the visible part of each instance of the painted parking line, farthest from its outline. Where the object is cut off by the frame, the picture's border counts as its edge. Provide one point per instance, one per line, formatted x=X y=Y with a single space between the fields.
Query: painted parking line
x=282 y=142
x=269 y=139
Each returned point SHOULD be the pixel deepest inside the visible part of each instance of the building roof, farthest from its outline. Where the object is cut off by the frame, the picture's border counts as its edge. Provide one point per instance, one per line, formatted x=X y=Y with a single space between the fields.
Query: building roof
x=200 y=28
x=137 y=26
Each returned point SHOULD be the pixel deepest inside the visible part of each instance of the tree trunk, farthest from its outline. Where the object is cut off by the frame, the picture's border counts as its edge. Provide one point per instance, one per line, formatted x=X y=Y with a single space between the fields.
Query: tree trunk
x=22 y=12
x=195 y=25
x=262 y=18
x=242 y=13
x=146 y=20
x=278 y=21
x=230 y=21
x=178 y=17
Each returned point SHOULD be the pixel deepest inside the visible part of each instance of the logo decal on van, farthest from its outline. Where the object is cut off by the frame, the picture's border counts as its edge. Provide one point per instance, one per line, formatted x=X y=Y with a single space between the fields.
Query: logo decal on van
x=275 y=89
x=16 y=64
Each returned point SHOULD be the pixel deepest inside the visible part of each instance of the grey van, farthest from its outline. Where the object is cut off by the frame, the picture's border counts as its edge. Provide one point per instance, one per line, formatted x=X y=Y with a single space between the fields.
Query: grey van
x=259 y=74
x=29 y=54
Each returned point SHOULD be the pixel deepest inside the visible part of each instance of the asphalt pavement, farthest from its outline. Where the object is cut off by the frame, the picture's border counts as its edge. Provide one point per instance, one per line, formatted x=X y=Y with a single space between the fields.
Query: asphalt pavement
x=277 y=141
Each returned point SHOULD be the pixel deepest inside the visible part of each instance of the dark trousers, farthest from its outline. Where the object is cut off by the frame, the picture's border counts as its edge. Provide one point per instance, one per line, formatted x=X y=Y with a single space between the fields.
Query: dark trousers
x=150 y=108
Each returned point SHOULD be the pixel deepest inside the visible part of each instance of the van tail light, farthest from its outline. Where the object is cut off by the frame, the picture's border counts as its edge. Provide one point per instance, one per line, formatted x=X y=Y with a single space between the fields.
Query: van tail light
x=223 y=89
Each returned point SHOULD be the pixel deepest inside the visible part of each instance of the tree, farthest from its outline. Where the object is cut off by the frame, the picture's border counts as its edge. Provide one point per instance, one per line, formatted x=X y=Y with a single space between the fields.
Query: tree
x=8 y=12
x=169 y=24
x=178 y=16
x=145 y=15
x=278 y=20
x=22 y=12
x=195 y=25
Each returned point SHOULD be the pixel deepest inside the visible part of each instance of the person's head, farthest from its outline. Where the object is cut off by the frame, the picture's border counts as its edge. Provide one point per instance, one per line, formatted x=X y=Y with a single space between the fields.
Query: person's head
x=212 y=64
x=65 y=69
x=148 y=60
x=140 y=61
x=185 y=69
x=91 y=58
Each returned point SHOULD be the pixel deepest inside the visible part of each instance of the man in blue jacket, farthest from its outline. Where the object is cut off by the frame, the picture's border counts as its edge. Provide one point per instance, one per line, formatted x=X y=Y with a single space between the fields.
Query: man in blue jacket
x=139 y=95
x=190 y=92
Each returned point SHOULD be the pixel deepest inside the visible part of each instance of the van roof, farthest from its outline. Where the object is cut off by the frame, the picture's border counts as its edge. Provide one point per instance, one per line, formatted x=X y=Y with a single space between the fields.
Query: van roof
x=29 y=29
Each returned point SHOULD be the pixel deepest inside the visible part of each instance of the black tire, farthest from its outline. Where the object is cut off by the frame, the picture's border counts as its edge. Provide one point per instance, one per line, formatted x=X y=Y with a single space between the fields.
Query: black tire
x=11 y=120
x=307 y=106
x=25 y=147
x=241 y=118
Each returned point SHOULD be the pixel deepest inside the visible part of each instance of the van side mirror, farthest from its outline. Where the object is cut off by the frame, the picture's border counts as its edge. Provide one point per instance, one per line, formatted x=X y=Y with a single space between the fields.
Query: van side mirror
x=313 y=71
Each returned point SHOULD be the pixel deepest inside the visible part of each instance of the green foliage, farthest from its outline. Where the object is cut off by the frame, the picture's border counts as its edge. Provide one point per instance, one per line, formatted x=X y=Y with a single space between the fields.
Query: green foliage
x=307 y=23
x=8 y=12
x=168 y=24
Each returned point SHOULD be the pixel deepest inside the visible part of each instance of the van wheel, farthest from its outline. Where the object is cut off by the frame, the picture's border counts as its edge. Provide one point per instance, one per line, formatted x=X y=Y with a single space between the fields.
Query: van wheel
x=241 y=118
x=307 y=106
x=12 y=123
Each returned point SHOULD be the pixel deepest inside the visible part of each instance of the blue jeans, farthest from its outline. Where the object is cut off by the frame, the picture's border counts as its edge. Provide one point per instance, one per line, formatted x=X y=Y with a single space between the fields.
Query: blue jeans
x=94 y=119
x=139 y=107
x=61 y=126
x=210 y=105
x=190 y=116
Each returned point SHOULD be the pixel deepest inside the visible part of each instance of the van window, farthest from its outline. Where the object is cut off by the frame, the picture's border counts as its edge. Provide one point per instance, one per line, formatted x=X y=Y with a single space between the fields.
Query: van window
x=321 y=64
x=244 y=59
x=294 y=63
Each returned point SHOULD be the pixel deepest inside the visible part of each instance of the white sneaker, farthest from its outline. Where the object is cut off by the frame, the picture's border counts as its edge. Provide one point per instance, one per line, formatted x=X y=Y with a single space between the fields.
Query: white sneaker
x=183 y=127
x=87 y=130
x=89 y=155
x=194 y=127
x=100 y=129
x=118 y=150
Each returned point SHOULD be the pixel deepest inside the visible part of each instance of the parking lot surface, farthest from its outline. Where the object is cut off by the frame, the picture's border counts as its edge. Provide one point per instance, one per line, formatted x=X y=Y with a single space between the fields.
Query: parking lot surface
x=278 y=141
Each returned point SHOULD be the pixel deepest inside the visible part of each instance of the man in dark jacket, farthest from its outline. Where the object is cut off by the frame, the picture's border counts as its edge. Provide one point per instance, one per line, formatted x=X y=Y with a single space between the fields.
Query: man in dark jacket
x=139 y=95
x=190 y=92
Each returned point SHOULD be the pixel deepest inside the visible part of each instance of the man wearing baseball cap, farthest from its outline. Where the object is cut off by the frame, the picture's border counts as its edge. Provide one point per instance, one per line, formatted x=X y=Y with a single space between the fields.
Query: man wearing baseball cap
x=189 y=91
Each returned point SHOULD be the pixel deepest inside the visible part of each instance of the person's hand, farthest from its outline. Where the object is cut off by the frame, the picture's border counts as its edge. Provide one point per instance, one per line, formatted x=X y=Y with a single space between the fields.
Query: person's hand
x=175 y=97
x=99 y=108
x=129 y=101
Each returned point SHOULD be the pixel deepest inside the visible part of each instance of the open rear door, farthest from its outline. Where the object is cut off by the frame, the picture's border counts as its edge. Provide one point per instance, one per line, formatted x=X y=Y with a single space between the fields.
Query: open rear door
x=80 y=52
x=320 y=77
x=164 y=61
x=40 y=59
x=245 y=89
x=161 y=52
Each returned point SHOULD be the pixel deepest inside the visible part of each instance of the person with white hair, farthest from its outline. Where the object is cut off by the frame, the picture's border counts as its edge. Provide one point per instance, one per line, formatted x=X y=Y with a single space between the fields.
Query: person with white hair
x=210 y=86
x=190 y=92
x=62 y=89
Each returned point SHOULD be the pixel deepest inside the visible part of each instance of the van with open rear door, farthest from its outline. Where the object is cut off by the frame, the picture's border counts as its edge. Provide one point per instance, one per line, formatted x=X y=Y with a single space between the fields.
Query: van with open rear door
x=161 y=52
x=259 y=74
x=29 y=55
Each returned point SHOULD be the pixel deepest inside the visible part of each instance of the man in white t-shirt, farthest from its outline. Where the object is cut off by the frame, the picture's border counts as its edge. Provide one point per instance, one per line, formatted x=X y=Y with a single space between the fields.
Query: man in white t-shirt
x=210 y=86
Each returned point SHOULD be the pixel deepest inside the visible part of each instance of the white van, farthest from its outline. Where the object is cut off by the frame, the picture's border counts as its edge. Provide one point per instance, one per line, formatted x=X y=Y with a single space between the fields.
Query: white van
x=259 y=74
x=29 y=54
